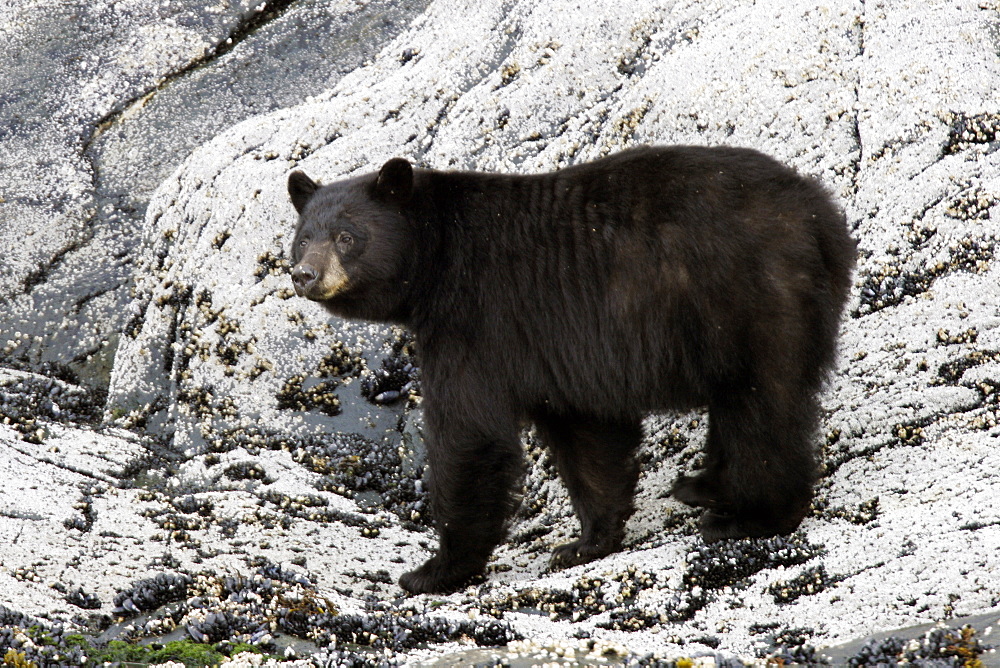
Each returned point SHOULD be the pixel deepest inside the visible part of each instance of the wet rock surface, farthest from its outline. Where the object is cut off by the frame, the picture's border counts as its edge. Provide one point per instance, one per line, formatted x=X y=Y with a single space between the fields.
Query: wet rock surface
x=249 y=470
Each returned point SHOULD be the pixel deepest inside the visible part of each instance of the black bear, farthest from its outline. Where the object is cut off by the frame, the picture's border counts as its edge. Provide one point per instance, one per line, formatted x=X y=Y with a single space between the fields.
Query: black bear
x=581 y=300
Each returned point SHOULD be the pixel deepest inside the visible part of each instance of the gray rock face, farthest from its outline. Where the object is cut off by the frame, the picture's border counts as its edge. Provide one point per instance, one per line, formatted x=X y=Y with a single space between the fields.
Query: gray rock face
x=101 y=101
x=264 y=409
x=68 y=67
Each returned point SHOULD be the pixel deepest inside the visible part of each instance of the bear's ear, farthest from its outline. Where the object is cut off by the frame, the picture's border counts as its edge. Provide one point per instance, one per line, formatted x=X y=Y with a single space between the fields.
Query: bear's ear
x=395 y=181
x=301 y=189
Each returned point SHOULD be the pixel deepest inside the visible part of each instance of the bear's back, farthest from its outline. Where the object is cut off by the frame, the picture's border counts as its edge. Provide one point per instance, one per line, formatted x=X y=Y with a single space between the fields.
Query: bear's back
x=649 y=274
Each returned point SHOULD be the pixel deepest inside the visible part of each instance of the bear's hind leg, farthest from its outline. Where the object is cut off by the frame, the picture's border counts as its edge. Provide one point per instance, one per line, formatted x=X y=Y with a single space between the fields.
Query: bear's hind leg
x=763 y=465
x=596 y=461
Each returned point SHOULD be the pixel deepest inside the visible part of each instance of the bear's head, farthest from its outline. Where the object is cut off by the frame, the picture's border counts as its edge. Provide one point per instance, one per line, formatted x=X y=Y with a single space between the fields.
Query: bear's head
x=353 y=246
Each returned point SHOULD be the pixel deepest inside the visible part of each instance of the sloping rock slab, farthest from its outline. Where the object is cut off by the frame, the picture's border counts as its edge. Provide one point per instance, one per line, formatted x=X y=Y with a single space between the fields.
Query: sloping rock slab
x=219 y=358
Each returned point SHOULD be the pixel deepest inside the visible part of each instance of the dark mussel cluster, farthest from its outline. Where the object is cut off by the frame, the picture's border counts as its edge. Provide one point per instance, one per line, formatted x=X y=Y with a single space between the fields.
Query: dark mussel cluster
x=28 y=402
x=151 y=593
x=257 y=609
x=397 y=378
x=938 y=647
x=348 y=464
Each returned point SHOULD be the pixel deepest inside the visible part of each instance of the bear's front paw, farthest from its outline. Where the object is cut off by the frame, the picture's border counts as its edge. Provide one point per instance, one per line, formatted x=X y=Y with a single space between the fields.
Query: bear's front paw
x=438 y=577
x=579 y=552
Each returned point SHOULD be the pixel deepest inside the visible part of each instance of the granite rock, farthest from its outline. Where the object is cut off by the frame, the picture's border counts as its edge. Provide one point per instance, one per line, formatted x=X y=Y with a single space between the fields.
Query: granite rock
x=229 y=394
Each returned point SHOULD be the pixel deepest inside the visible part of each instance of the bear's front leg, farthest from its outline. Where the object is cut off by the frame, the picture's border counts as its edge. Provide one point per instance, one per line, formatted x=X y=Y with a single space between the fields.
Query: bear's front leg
x=472 y=476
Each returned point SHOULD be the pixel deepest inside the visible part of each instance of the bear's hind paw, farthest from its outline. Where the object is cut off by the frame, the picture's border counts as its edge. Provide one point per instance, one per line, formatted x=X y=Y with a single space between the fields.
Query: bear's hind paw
x=578 y=552
x=716 y=526
x=700 y=491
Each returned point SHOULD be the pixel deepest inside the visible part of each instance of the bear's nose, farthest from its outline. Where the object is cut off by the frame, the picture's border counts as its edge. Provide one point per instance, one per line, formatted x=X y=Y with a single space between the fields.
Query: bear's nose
x=303 y=276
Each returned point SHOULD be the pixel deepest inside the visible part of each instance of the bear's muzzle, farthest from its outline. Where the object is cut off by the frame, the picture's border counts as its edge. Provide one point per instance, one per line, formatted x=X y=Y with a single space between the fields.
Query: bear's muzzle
x=317 y=282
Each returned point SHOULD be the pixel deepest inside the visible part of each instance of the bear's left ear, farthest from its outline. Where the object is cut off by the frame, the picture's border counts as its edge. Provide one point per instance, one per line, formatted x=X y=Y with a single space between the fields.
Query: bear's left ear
x=395 y=181
x=301 y=189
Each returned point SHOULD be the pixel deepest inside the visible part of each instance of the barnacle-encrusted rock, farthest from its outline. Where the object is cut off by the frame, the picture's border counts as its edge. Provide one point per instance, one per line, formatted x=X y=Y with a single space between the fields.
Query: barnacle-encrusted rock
x=893 y=108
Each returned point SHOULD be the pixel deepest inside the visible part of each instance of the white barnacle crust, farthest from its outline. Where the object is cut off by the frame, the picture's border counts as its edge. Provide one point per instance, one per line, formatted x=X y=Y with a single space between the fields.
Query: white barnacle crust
x=188 y=318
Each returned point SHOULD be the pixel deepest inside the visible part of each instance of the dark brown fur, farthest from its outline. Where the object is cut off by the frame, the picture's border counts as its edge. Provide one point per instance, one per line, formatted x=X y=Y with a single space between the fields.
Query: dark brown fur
x=657 y=278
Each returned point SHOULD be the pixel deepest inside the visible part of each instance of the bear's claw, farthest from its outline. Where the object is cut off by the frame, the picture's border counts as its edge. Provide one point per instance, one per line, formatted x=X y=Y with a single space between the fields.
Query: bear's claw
x=697 y=490
x=438 y=577
x=578 y=552
x=716 y=526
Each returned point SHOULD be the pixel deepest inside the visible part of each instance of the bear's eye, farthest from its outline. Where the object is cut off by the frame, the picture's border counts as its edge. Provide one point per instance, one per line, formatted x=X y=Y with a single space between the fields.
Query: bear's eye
x=304 y=243
x=345 y=239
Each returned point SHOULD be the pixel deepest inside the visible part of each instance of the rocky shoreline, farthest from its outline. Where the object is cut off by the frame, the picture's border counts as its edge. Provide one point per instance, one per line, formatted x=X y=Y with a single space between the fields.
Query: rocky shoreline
x=191 y=454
